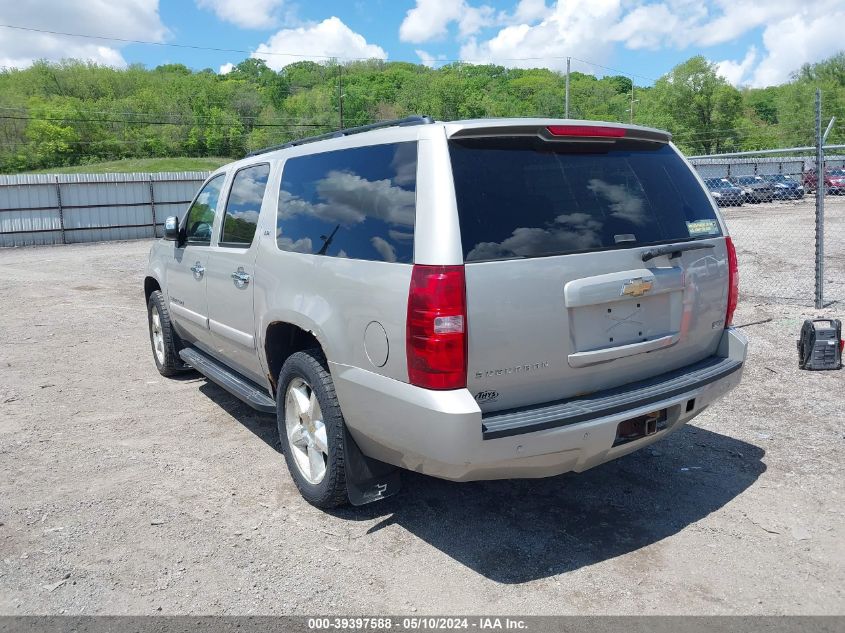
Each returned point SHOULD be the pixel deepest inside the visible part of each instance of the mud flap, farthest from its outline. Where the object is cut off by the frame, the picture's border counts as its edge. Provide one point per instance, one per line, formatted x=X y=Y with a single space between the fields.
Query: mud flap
x=368 y=479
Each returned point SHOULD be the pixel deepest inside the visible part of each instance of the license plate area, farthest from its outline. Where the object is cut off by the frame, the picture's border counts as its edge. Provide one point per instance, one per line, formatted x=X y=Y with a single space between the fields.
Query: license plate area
x=624 y=322
x=639 y=427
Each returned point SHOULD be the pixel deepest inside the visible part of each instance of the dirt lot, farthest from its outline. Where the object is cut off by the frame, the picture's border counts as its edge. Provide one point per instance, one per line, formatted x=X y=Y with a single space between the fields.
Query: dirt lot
x=126 y=493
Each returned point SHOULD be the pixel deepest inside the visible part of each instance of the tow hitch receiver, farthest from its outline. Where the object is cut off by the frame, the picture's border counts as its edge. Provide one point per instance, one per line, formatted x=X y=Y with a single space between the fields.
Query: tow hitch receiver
x=640 y=427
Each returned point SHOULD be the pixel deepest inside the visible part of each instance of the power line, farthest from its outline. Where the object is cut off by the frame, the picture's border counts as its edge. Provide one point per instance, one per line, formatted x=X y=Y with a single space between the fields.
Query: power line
x=169 y=115
x=616 y=70
x=147 y=122
x=170 y=44
x=309 y=55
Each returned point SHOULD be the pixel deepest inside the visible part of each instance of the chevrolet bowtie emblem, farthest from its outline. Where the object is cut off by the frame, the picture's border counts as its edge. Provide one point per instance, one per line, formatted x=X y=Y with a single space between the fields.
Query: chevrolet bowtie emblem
x=636 y=287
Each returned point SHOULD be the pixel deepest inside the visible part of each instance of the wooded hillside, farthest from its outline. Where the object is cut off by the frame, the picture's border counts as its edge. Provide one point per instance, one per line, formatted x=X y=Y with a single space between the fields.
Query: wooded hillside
x=72 y=113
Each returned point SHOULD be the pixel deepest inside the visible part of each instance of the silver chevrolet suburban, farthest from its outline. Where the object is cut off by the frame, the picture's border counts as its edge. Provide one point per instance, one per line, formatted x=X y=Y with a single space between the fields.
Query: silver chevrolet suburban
x=469 y=299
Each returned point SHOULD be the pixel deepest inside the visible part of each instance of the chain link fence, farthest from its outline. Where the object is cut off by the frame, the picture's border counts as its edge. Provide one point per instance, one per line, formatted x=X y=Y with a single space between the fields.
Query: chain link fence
x=833 y=259
x=769 y=204
x=785 y=209
x=772 y=220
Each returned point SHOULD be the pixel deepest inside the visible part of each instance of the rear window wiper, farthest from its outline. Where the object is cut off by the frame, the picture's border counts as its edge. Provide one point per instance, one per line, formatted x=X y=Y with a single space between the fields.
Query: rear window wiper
x=673 y=250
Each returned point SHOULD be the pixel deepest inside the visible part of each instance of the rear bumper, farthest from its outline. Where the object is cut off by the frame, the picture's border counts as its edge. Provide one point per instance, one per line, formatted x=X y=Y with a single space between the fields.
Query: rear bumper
x=445 y=435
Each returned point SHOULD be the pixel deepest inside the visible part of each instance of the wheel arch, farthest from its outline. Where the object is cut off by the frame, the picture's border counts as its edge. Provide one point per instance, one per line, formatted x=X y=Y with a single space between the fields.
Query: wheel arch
x=151 y=284
x=281 y=340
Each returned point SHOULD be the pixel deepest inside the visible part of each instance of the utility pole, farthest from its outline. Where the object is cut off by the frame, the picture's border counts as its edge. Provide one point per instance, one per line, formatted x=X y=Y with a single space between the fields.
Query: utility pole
x=632 y=99
x=820 y=191
x=340 y=91
x=566 y=107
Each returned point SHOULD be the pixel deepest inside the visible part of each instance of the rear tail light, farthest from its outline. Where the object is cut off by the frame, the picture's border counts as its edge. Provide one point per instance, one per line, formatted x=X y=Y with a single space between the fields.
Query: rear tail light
x=586 y=130
x=436 y=327
x=733 y=281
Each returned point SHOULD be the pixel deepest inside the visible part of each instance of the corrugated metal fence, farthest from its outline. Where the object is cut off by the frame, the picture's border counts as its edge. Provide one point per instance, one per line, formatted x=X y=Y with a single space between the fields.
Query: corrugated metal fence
x=716 y=167
x=68 y=208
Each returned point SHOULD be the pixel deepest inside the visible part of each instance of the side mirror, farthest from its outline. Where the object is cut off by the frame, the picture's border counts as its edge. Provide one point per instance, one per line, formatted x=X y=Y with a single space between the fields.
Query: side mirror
x=171 y=228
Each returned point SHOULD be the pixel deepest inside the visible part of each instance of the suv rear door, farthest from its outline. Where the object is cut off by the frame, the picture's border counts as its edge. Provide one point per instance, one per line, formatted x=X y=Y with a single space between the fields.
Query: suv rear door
x=231 y=267
x=560 y=299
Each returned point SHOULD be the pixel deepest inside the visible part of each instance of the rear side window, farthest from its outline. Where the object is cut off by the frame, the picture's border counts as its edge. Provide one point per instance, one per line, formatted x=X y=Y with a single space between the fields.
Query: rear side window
x=525 y=198
x=358 y=203
x=244 y=205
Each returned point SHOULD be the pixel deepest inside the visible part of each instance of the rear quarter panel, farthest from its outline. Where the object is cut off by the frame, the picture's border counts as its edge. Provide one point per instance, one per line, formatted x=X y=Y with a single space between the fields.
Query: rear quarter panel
x=336 y=298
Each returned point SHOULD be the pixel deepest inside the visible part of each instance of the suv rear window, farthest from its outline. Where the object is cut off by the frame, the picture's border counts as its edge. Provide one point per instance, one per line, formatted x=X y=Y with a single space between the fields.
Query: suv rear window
x=526 y=198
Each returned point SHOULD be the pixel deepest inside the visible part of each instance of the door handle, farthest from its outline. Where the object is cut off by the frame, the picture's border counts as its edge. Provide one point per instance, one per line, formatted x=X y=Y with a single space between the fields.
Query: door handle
x=198 y=270
x=240 y=278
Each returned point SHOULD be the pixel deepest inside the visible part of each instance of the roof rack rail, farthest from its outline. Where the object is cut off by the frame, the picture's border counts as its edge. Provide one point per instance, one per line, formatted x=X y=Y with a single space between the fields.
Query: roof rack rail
x=415 y=119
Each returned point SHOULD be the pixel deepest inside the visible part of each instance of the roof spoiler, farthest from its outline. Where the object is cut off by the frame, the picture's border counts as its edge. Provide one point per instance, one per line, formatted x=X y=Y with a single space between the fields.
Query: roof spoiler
x=577 y=133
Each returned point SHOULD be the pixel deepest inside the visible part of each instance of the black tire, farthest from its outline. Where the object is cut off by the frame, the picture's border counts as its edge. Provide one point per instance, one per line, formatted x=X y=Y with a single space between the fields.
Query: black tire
x=310 y=366
x=169 y=363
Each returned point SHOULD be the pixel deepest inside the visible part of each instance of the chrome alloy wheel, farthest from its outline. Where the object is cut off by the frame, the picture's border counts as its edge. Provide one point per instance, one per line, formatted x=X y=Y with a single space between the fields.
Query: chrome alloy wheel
x=158 y=336
x=306 y=431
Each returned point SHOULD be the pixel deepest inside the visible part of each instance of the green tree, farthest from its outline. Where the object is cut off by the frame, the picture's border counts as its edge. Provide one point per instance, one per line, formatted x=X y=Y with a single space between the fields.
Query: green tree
x=700 y=107
x=76 y=112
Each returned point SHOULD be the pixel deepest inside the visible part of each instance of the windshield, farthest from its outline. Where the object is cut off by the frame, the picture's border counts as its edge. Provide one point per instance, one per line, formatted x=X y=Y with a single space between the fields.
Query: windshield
x=837 y=172
x=749 y=180
x=524 y=198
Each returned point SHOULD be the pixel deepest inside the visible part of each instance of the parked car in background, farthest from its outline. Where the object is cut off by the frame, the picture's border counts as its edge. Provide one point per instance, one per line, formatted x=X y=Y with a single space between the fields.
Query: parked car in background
x=725 y=193
x=470 y=300
x=755 y=188
x=786 y=187
x=834 y=180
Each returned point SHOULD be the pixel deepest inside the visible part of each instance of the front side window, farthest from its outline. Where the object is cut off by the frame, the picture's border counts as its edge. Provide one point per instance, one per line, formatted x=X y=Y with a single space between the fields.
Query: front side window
x=358 y=203
x=244 y=205
x=200 y=217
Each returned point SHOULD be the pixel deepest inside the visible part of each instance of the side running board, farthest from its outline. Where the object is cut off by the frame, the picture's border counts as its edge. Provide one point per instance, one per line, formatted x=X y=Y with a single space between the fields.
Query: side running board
x=229 y=379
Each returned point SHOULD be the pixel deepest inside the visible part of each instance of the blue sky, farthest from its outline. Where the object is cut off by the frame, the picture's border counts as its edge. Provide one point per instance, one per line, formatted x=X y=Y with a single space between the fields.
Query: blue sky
x=754 y=42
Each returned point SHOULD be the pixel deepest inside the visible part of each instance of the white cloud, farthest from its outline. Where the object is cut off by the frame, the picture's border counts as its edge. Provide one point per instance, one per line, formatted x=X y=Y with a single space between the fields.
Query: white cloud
x=384 y=248
x=473 y=19
x=356 y=198
x=576 y=28
x=348 y=199
x=302 y=245
x=316 y=42
x=804 y=35
x=226 y=68
x=652 y=26
x=796 y=41
x=684 y=23
x=622 y=201
x=430 y=19
x=137 y=20
x=426 y=58
x=737 y=72
x=529 y=11
x=254 y=14
x=794 y=32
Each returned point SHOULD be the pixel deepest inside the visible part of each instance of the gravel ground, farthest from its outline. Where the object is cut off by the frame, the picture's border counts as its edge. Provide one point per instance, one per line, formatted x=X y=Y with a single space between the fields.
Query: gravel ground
x=123 y=492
